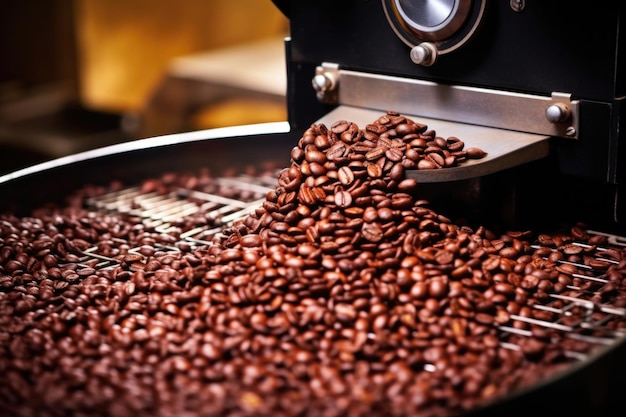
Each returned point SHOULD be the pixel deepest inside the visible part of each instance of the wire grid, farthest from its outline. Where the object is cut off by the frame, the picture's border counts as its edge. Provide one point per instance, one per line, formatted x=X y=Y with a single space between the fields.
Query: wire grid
x=577 y=317
x=162 y=213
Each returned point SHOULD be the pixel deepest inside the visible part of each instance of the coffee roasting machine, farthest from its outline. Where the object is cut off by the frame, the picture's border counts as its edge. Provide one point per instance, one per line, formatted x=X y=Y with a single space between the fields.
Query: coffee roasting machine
x=532 y=83
x=538 y=85
x=535 y=72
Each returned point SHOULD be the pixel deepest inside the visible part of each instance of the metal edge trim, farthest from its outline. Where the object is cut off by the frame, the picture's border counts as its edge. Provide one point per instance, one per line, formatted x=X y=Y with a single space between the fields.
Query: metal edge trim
x=152 y=142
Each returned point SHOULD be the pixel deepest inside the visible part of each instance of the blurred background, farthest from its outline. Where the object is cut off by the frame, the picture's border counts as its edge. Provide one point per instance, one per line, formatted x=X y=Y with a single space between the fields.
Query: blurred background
x=81 y=74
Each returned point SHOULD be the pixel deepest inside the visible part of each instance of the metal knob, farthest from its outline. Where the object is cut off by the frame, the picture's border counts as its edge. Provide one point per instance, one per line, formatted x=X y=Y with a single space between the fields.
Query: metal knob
x=558 y=113
x=424 y=54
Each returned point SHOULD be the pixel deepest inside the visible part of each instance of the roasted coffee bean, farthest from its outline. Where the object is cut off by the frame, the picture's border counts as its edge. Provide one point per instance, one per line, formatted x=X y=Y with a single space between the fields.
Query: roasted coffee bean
x=374 y=171
x=297 y=154
x=475 y=153
x=375 y=154
x=407 y=185
x=454 y=144
x=372 y=232
x=315 y=156
x=343 y=198
x=340 y=126
x=345 y=175
x=404 y=129
x=394 y=154
x=435 y=158
x=336 y=151
x=426 y=164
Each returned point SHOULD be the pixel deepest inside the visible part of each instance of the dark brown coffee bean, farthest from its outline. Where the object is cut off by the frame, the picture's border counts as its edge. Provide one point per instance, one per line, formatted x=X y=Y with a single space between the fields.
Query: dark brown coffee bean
x=426 y=164
x=375 y=154
x=401 y=200
x=369 y=215
x=315 y=156
x=251 y=241
x=345 y=313
x=436 y=159
x=407 y=185
x=475 y=153
x=340 y=126
x=337 y=151
x=343 y=199
x=306 y=196
x=394 y=154
x=404 y=129
x=438 y=288
x=297 y=154
x=374 y=171
x=345 y=175
x=372 y=232
x=419 y=291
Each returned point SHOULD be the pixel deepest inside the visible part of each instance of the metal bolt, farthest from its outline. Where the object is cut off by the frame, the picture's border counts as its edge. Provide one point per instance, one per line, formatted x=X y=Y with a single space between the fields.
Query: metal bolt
x=517 y=5
x=558 y=113
x=323 y=82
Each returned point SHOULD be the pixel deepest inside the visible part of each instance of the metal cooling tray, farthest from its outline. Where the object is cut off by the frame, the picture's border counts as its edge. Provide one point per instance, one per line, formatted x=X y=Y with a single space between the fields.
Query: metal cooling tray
x=576 y=315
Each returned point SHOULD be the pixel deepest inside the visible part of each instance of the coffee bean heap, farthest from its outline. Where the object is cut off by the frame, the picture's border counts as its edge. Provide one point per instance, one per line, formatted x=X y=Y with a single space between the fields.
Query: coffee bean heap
x=398 y=139
x=343 y=295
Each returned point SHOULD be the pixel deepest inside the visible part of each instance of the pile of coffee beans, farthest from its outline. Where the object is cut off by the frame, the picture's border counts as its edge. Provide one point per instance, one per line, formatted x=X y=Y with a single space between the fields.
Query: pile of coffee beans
x=344 y=294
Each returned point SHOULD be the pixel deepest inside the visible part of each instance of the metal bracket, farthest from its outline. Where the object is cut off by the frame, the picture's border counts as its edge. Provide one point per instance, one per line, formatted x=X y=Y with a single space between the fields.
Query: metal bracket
x=557 y=115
